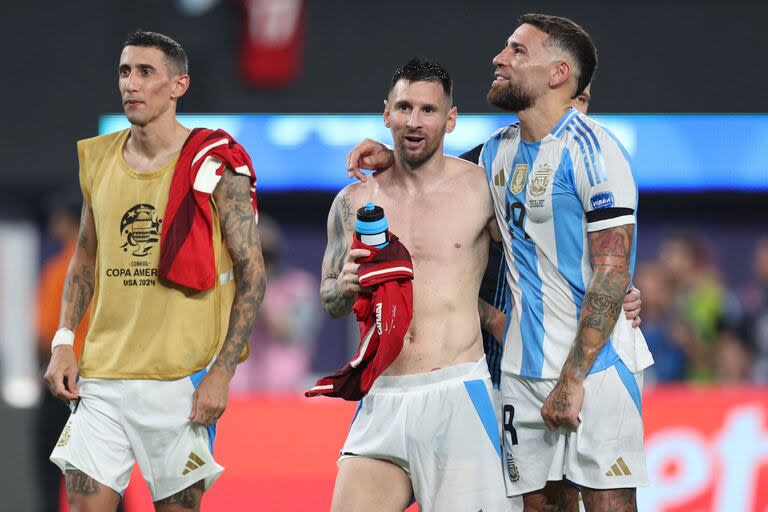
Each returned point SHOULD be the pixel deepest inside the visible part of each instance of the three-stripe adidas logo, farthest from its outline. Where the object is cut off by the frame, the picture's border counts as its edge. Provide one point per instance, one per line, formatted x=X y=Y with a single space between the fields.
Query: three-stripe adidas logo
x=193 y=463
x=500 y=180
x=619 y=468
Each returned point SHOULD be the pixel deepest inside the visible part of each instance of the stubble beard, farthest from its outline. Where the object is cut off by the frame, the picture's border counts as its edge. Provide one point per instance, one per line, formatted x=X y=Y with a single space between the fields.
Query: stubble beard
x=417 y=159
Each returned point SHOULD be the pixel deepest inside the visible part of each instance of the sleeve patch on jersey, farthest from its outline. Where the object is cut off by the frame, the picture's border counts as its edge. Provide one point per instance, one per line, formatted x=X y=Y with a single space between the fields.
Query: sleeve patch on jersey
x=608 y=213
x=602 y=200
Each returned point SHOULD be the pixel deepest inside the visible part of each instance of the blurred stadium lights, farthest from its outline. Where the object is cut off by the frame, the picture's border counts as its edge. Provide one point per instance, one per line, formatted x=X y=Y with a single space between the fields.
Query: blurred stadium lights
x=20 y=382
x=669 y=152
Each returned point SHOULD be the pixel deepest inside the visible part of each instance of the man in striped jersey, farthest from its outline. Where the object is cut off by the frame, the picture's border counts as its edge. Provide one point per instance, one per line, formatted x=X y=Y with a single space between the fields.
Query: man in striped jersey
x=572 y=369
x=493 y=301
x=565 y=198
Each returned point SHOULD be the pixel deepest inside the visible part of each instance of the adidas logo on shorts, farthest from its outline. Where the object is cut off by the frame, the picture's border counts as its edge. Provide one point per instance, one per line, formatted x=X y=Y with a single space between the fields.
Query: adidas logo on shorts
x=619 y=468
x=193 y=463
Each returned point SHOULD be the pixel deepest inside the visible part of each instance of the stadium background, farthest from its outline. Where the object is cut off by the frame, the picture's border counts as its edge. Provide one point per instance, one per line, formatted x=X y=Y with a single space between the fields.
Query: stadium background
x=706 y=425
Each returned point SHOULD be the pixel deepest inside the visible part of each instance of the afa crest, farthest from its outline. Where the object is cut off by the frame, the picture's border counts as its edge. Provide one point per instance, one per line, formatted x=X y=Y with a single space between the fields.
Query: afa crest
x=514 y=473
x=540 y=180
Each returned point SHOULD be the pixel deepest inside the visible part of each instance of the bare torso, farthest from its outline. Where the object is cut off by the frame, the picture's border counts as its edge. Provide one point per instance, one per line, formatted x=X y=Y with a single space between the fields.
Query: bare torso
x=443 y=225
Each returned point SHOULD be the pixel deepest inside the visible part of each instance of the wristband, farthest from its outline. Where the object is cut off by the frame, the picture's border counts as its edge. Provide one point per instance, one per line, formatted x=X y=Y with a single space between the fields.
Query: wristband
x=63 y=337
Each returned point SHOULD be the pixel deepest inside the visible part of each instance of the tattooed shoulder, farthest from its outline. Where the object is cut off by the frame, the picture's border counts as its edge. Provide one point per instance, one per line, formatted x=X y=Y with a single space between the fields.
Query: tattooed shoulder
x=342 y=208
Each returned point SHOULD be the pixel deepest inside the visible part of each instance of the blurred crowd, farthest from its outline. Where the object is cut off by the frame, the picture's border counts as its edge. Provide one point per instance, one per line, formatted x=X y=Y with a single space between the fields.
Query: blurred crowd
x=698 y=328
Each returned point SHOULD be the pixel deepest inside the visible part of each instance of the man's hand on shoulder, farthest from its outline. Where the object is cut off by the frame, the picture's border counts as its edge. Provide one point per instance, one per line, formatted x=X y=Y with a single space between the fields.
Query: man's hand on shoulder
x=369 y=154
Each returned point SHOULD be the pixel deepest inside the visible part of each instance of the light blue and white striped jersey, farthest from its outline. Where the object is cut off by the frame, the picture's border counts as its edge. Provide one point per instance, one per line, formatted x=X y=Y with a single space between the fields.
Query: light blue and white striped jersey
x=549 y=194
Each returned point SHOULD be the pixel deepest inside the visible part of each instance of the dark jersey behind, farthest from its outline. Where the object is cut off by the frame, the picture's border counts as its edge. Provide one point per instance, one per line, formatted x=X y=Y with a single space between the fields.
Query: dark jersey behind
x=493 y=290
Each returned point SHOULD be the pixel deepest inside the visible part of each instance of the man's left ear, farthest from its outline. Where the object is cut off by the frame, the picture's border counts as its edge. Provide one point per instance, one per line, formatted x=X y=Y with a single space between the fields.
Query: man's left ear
x=452 y=115
x=180 y=86
x=561 y=72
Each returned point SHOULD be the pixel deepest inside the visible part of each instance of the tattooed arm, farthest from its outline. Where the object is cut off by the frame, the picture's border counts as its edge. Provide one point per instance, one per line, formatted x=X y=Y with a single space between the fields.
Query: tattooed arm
x=340 y=284
x=238 y=225
x=78 y=286
x=61 y=375
x=610 y=251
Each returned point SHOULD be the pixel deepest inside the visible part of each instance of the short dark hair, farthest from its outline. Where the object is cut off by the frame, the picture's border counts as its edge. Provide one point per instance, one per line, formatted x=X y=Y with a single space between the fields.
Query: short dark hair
x=174 y=53
x=421 y=70
x=571 y=38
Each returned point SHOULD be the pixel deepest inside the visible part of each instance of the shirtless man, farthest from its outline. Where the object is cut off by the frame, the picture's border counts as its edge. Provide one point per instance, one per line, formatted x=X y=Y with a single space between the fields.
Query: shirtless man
x=427 y=427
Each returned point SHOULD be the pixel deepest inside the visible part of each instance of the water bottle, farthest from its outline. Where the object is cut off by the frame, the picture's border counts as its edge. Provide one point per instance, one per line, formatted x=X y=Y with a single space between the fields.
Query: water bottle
x=371 y=226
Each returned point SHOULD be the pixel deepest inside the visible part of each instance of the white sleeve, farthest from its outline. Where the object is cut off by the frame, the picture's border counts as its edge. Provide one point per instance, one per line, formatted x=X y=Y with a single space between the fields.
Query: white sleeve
x=493 y=140
x=604 y=180
x=480 y=157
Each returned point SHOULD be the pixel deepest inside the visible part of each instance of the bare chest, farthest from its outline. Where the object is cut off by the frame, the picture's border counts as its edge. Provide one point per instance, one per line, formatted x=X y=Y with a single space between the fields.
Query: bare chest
x=438 y=234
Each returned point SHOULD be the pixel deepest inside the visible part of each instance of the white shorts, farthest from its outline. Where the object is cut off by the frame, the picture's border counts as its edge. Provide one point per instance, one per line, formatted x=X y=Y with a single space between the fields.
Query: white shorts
x=604 y=452
x=119 y=422
x=442 y=428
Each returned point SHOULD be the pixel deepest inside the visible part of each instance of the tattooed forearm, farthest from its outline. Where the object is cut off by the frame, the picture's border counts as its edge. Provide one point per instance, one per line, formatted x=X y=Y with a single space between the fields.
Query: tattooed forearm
x=79 y=283
x=78 y=482
x=603 y=304
x=610 y=252
x=334 y=302
x=340 y=227
x=78 y=290
x=596 y=322
x=238 y=222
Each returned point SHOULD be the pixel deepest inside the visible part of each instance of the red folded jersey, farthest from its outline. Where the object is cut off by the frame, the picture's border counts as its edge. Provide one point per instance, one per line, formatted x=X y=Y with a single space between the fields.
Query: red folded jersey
x=383 y=315
x=186 y=244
